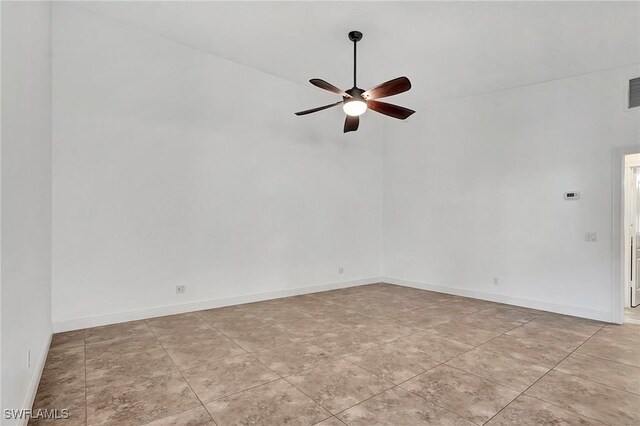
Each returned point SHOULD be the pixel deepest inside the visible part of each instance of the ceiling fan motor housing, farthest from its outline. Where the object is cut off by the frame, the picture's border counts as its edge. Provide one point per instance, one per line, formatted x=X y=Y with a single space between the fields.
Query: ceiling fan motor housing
x=355 y=92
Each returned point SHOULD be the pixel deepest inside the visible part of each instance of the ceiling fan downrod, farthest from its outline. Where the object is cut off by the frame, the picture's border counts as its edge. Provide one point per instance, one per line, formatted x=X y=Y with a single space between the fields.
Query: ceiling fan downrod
x=355 y=37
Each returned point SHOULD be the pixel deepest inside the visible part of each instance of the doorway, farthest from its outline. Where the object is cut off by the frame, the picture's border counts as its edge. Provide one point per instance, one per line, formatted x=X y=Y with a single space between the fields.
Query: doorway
x=631 y=196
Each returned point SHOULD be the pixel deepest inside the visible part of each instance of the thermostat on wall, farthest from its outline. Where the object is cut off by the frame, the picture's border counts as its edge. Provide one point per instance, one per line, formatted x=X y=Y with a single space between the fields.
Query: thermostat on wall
x=575 y=195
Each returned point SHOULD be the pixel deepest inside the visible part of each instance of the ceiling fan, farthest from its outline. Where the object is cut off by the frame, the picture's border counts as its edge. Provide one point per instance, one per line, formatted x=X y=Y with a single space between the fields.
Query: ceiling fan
x=356 y=101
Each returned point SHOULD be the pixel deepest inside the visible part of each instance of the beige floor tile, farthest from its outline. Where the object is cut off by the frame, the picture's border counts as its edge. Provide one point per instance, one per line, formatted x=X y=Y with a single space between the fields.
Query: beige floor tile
x=189 y=321
x=385 y=330
x=115 y=348
x=346 y=317
x=616 y=375
x=123 y=330
x=512 y=313
x=527 y=411
x=181 y=329
x=393 y=363
x=383 y=308
x=216 y=380
x=63 y=377
x=202 y=352
x=316 y=307
x=626 y=329
x=141 y=403
x=530 y=350
x=198 y=416
x=178 y=337
x=491 y=322
x=535 y=331
x=588 y=399
x=423 y=296
x=76 y=413
x=617 y=348
x=468 y=306
x=340 y=346
x=503 y=369
x=64 y=362
x=285 y=315
x=231 y=326
x=632 y=315
x=127 y=369
x=276 y=403
x=462 y=333
x=429 y=316
x=467 y=395
x=619 y=334
x=294 y=358
x=345 y=341
x=567 y=324
x=69 y=338
x=331 y=421
x=338 y=385
x=261 y=337
x=307 y=328
x=399 y=408
x=226 y=314
x=273 y=310
x=439 y=348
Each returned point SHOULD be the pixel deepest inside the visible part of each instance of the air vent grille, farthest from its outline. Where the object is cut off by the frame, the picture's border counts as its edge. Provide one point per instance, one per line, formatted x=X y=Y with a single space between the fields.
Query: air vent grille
x=634 y=92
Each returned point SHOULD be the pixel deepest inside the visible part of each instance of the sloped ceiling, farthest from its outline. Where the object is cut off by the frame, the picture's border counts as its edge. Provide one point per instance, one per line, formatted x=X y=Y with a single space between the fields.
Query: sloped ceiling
x=447 y=49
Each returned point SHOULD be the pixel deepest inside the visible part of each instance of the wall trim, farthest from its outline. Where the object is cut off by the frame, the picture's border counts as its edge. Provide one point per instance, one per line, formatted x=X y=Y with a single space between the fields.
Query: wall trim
x=619 y=285
x=30 y=397
x=526 y=303
x=159 y=311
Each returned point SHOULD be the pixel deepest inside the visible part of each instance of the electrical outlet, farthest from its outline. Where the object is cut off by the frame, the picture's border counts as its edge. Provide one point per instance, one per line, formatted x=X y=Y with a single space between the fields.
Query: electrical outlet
x=495 y=280
x=181 y=288
x=340 y=271
x=590 y=237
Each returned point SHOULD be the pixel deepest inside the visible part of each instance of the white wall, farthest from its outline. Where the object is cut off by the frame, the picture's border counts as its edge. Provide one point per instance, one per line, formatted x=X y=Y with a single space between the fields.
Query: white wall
x=26 y=197
x=473 y=190
x=173 y=166
x=158 y=180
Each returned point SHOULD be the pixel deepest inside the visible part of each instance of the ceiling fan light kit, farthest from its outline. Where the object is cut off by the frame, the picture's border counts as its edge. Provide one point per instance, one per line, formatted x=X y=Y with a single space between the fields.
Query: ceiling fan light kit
x=356 y=101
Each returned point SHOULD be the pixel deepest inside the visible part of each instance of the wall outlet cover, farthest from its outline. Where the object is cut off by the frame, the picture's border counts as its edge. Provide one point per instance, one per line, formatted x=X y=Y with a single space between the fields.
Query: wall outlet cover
x=590 y=237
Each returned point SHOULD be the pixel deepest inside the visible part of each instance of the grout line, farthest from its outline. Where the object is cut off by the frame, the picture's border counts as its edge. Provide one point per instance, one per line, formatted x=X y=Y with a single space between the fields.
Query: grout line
x=241 y=391
x=459 y=355
x=608 y=360
x=545 y=374
x=182 y=375
x=380 y=343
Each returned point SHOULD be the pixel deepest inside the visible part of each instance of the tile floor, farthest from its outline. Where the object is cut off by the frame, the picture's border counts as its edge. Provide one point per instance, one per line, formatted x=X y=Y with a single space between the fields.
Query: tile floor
x=374 y=354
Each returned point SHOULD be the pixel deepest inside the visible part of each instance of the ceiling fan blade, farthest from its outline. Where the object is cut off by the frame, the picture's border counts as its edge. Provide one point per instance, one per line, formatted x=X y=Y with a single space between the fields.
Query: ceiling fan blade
x=391 y=110
x=330 y=87
x=351 y=123
x=309 y=111
x=389 y=88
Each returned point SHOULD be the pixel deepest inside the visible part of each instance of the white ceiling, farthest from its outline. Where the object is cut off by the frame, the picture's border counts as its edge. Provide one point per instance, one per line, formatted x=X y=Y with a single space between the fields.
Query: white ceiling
x=447 y=49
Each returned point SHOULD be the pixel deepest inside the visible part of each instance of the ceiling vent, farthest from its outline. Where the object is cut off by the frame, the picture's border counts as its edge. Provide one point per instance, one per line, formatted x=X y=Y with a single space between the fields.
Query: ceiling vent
x=634 y=92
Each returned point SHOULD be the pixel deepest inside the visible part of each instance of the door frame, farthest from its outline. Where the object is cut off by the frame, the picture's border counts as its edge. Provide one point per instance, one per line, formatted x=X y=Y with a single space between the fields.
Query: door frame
x=619 y=286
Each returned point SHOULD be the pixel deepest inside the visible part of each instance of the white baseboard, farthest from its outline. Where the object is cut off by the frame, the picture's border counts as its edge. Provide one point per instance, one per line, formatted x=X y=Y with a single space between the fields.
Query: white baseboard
x=35 y=380
x=526 y=303
x=159 y=311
